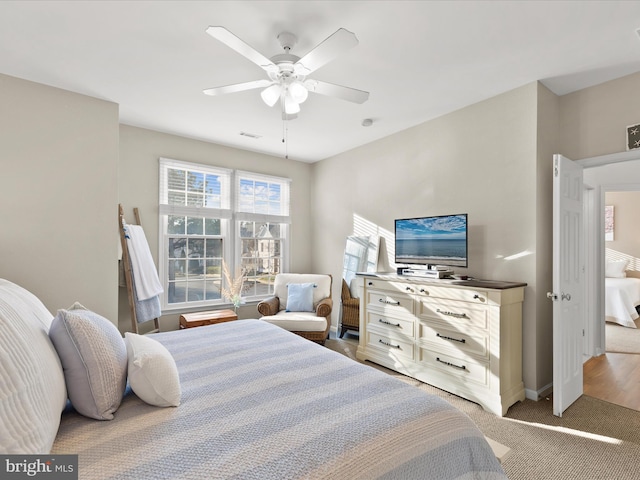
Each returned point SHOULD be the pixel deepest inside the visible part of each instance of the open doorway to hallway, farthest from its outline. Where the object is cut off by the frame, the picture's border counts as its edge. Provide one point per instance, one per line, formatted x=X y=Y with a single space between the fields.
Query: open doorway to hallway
x=614 y=376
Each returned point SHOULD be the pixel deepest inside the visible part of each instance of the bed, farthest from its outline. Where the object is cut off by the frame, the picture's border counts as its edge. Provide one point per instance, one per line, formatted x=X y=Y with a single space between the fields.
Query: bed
x=257 y=402
x=622 y=296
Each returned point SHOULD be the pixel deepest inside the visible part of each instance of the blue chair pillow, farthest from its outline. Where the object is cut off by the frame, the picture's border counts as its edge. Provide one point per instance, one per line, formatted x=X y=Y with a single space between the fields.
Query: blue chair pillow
x=300 y=297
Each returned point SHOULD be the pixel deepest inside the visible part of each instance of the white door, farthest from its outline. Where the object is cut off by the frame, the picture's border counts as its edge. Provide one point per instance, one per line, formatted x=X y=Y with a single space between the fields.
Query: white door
x=568 y=283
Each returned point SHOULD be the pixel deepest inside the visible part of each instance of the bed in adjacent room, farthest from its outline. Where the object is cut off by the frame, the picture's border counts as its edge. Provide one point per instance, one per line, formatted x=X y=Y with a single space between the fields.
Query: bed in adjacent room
x=622 y=296
x=255 y=402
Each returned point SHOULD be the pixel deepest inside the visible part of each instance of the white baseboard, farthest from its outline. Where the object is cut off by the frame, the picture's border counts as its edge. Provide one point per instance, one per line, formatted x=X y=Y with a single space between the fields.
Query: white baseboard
x=536 y=395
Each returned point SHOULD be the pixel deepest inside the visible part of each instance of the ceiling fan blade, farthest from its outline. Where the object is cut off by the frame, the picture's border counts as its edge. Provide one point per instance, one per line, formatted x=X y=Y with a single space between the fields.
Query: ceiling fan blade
x=247 y=51
x=326 y=51
x=332 y=90
x=238 y=87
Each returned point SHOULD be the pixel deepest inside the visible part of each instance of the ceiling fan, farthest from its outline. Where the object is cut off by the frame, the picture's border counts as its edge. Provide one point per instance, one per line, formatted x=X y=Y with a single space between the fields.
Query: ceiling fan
x=287 y=73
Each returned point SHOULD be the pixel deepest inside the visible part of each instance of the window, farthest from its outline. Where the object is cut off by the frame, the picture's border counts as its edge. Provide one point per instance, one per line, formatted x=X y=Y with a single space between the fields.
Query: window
x=262 y=215
x=202 y=224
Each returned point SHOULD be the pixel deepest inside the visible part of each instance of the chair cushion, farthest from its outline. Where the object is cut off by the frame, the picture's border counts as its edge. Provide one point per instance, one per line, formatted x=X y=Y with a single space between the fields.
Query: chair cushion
x=298 y=321
x=300 y=297
x=322 y=282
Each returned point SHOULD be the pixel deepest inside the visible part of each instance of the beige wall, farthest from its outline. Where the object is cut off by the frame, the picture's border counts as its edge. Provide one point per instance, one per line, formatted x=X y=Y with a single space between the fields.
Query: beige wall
x=594 y=120
x=481 y=160
x=626 y=238
x=548 y=139
x=138 y=170
x=58 y=192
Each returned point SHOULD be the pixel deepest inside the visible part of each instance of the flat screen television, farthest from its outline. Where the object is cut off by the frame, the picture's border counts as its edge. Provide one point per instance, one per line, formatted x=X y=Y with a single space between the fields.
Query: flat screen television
x=431 y=241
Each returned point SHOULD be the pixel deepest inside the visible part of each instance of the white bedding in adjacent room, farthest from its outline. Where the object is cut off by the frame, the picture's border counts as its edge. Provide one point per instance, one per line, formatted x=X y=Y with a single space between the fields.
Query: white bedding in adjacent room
x=622 y=295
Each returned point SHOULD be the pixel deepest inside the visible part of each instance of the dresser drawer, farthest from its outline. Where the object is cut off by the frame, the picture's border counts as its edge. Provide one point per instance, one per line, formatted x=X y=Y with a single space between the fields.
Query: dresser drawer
x=396 y=287
x=480 y=297
x=389 y=302
x=436 y=337
x=391 y=345
x=463 y=368
x=462 y=315
x=399 y=325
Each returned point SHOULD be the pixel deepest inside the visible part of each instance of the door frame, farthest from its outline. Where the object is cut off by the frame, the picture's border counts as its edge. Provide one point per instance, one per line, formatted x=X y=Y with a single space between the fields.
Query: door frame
x=591 y=228
x=598 y=325
x=595 y=257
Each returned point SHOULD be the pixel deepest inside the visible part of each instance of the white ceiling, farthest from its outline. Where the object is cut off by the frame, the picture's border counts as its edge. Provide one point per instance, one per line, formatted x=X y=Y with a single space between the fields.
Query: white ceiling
x=418 y=59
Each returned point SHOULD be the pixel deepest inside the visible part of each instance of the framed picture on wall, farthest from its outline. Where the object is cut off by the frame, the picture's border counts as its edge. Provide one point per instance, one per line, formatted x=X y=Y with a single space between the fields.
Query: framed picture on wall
x=608 y=223
x=633 y=137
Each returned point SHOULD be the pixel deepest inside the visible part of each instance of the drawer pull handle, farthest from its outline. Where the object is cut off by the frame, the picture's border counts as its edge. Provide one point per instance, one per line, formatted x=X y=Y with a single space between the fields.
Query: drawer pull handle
x=382 y=300
x=461 y=340
x=370 y=283
x=409 y=289
x=449 y=364
x=386 y=322
x=422 y=290
x=388 y=344
x=452 y=314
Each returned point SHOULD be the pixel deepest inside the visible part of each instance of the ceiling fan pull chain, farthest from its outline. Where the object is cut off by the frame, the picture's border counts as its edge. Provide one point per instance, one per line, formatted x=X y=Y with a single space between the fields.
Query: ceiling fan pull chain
x=285 y=138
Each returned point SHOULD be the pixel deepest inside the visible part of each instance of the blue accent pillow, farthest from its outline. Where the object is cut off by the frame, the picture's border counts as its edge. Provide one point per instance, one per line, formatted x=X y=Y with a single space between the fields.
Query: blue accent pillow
x=300 y=297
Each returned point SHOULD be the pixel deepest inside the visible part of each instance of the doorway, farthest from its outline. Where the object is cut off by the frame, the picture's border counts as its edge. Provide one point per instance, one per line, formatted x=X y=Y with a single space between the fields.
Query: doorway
x=607 y=367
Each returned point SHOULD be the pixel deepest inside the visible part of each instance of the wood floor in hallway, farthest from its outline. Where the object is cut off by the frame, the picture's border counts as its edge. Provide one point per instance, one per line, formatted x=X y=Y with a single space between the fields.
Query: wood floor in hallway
x=614 y=378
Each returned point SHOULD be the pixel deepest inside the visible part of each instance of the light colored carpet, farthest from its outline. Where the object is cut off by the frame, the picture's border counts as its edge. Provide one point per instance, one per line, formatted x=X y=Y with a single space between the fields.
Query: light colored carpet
x=621 y=339
x=594 y=440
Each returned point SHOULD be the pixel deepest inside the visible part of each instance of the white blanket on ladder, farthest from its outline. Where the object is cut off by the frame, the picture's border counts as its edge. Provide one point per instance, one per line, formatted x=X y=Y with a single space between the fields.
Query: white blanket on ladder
x=145 y=274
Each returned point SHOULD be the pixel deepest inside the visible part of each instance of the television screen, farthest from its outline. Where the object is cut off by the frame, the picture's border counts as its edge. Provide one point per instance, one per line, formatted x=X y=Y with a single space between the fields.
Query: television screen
x=440 y=240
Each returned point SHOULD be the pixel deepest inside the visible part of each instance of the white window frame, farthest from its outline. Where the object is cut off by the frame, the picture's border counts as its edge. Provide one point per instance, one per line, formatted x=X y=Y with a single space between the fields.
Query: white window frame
x=230 y=221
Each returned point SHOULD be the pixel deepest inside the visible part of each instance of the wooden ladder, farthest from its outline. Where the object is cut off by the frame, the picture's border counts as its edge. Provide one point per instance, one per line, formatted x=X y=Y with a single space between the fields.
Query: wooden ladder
x=128 y=277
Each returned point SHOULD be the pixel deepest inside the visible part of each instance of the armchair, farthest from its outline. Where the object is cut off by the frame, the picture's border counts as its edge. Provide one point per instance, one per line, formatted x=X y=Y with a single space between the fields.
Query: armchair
x=314 y=321
x=350 y=310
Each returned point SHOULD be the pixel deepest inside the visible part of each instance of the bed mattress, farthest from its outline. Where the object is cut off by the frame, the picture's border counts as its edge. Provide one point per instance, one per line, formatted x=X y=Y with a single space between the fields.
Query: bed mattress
x=622 y=295
x=261 y=403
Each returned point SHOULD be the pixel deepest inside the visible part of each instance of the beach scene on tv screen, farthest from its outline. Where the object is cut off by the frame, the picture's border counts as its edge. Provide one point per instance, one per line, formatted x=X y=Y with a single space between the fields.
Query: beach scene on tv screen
x=432 y=240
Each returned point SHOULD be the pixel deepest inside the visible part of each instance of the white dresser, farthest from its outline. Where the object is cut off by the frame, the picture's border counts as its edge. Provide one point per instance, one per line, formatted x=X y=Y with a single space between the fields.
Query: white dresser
x=464 y=337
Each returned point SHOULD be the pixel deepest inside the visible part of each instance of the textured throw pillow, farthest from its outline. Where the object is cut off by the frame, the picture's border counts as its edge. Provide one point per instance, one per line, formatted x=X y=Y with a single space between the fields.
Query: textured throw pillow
x=616 y=268
x=153 y=374
x=32 y=389
x=94 y=360
x=300 y=297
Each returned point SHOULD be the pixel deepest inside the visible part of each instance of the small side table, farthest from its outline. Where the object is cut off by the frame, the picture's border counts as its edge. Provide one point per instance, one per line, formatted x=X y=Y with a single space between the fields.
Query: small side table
x=198 y=319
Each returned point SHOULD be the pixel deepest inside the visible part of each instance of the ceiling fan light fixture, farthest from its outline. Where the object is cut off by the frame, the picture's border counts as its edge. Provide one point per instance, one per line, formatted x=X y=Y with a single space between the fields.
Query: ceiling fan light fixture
x=270 y=95
x=298 y=91
x=290 y=105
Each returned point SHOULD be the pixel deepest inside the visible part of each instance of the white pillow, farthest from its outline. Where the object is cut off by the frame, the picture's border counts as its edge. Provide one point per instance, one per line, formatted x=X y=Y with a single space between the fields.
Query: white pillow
x=300 y=297
x=32 y=388
x=616 y=268
x=153 y=374
x=94 y=360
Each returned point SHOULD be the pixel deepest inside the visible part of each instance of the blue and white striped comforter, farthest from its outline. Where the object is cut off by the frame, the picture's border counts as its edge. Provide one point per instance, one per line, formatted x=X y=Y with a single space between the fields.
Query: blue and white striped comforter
x=261 y=403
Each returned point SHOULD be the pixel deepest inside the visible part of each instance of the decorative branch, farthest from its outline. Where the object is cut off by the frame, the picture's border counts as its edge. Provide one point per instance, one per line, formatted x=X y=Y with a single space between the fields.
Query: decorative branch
x=234 y=285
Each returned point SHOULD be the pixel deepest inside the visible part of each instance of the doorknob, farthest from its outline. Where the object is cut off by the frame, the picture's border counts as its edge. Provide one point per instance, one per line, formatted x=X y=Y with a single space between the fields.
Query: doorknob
x=552 y=296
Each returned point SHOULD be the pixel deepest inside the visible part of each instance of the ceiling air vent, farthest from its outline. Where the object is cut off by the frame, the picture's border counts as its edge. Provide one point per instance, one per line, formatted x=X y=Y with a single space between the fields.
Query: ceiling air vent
x=250 y=135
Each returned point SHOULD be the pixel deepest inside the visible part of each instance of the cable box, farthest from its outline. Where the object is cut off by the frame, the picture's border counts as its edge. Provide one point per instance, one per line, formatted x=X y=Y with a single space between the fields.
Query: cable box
x=427 y=273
